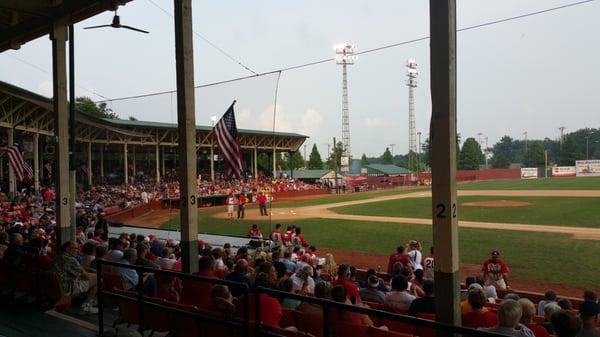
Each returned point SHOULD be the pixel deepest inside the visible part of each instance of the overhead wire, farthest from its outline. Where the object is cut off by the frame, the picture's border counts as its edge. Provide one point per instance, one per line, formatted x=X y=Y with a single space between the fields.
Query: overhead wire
x=368 y=51
x=47 y=72
x=226 y=54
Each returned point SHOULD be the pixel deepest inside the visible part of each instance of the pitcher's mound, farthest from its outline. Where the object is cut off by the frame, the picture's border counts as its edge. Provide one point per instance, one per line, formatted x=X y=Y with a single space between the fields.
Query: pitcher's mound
x=497 y=203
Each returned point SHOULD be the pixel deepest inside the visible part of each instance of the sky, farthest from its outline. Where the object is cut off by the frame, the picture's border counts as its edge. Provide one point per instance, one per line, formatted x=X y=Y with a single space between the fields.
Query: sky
x=533 y=74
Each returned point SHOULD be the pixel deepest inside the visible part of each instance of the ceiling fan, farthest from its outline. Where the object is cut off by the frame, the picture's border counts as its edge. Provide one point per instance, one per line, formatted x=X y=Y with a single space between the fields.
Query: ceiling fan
x=116 y=23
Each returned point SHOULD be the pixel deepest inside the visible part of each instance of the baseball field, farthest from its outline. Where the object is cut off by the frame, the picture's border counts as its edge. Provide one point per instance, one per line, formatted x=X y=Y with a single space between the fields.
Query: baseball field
x=548 y=230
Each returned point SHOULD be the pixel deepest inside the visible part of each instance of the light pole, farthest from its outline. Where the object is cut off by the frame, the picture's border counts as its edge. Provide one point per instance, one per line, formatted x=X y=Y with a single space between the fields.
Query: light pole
x=419 y=151
x=485 y=152
x=411 y=83
x=479 y=137
x=392 y=146
x=344 y=55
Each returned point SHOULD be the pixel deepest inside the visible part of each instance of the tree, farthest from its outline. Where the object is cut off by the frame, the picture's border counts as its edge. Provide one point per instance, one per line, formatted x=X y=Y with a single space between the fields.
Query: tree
x=364 y=161
x=500 y=161
x=569 y=152
x=336 y=155
x=132 y=118
x=426 y=152
x=535 y=154
x=387 y=158
x=314 y=160
x=264 y=162
x=505 y=147
x=294 y=160
x=87 y=106
x=470 y=156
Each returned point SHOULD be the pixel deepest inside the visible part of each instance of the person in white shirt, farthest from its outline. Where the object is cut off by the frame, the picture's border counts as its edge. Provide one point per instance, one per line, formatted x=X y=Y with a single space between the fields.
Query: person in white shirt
x=304 y=284
x=231 y=201
x=414 y=255
x=399 y=299
x=167 y=260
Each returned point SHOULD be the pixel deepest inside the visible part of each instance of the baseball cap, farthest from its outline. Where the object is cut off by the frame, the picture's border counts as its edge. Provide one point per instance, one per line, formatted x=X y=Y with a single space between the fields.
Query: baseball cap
x=373 y=281
x=495 y=253
x=475 y=286
x=589 y=308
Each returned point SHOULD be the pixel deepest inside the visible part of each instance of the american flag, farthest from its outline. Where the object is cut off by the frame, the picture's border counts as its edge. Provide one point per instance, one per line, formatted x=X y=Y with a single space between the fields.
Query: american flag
x=29 y=170
x=48 y=168
x=226 y=133
x=15 y=157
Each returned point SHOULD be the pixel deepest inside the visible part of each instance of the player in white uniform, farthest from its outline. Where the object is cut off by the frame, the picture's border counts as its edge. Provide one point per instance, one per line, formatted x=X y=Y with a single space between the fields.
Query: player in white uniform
x=231 y=201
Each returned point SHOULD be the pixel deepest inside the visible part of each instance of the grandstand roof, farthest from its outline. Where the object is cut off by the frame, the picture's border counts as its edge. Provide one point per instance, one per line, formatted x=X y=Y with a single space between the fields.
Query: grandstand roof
x=28 y=111
x=22 y=21
x=385 y=169
x=310 y=174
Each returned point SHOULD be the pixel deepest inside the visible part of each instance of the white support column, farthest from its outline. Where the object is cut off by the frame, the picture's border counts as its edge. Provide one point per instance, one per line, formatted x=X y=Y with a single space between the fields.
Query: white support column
x=125 y=164
x=274 y=162
x=102 y=162
x=442 y=23
x=89 y=163
x=36 y=163
x=134 y=168
x=11 y=172
x=61 y=132
x=212 y=161
x=255 y=163
x=157 y=153
x=186 y=125
x=163 y=161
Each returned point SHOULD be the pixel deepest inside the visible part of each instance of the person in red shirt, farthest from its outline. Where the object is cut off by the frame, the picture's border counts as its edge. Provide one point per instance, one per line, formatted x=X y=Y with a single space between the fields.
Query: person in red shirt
x=352 y=290
x=528 y=309
x=242 y=201
x=298 y=239
x=198 y=293
x=254 y=232
x=399 y=256
x=478 y=317
x=287 y=236
x=262 y=203
x=166 y=288
x=270 y=309
x=339 y=294
x=495 y=272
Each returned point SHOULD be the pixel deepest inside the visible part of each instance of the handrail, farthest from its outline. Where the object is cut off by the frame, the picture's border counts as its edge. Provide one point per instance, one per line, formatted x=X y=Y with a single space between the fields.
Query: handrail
x=142 y=299
x=329 y=304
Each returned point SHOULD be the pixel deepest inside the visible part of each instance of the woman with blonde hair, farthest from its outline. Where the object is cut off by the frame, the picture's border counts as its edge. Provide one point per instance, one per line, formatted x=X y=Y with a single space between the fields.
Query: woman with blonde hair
x=329 y=267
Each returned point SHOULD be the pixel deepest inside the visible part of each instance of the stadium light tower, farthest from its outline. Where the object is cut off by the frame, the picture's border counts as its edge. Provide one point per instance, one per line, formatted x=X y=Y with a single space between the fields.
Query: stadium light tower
x=344 y=55
x=411 y=82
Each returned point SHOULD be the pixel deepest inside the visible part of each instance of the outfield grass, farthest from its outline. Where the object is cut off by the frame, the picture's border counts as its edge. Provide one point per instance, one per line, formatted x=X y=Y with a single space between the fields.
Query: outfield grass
x=563 y=211
x=320 y=200
x=531 y=256
x=581 y=183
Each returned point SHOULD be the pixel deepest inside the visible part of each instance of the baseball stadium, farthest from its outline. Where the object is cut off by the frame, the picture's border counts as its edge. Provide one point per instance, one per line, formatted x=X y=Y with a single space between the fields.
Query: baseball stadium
x=189 y=226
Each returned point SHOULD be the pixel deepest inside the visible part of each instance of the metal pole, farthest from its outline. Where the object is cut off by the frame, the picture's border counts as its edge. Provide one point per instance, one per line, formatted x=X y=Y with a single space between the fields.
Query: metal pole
x=335 y=168
x=72 y=134
x=212 y=160
x=89 y=163
x=36 y=163
x=61 y=132
x=102 y=162
x=125 y=164
x=134 y=168
x=255 y=163
x=11 y=172
x=157 y=154
x=442 y=23
x=186 y=125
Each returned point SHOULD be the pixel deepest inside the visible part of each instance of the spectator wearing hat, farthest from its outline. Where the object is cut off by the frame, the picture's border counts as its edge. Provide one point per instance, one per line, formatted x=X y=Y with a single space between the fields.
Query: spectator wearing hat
x=588 y=312
x=370 y=293
x=478 y=316
x=495 y=271
x=509 y=316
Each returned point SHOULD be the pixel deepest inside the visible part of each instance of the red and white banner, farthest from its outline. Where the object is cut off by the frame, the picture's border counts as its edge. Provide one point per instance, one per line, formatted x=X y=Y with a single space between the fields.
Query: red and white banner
x=529 y=172
x=587 y=168
x=564 y=171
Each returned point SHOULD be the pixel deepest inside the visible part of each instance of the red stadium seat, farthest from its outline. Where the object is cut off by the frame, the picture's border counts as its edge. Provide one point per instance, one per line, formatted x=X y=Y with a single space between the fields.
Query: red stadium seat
x=288 y=318
x=423 y=331
x=155 y=318
x=343 y=329
x=183 y=325
x=377 y=332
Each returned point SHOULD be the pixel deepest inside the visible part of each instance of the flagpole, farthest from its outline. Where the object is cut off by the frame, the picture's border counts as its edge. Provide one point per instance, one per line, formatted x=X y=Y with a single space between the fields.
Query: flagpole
x=274 y=160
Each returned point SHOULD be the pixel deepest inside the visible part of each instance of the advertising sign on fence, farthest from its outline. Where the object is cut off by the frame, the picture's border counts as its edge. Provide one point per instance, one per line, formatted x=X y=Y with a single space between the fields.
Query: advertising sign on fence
x=529 y=172
x=564 y=171
x=587 y=168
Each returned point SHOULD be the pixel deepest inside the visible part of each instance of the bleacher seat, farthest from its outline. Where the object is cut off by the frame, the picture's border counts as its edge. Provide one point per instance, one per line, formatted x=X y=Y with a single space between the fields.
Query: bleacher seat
x=377 y=332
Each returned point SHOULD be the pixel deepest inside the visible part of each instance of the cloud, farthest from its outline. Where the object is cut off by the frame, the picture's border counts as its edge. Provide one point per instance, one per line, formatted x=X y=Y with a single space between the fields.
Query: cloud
x=375 y=122
x=44 y=88
x=311 y=121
